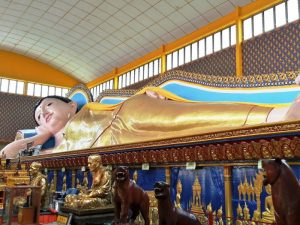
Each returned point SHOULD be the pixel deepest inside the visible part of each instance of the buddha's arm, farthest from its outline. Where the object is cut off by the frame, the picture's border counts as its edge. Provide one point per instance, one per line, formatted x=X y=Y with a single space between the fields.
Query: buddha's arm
x=43 y=186
x=100 y=189
x=12 y=149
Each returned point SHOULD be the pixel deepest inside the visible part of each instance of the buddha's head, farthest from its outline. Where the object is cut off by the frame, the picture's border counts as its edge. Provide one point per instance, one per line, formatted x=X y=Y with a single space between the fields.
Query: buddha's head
x=35 y=168
x=94 y=162
x=53 y=112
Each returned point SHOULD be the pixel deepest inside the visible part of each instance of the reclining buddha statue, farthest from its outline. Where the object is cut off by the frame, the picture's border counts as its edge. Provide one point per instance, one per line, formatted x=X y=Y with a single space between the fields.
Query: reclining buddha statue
x=151 y=114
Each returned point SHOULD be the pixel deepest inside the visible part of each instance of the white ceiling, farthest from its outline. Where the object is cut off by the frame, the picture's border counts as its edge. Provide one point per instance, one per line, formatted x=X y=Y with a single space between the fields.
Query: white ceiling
x=88 y=38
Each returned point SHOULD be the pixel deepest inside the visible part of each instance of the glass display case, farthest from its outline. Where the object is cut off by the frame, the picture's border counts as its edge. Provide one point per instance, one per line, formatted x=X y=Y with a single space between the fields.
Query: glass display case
x=21 y=205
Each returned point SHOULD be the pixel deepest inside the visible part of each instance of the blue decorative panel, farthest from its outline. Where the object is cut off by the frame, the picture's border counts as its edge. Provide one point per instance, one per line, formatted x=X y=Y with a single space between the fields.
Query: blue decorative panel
x=240 y=175
x=50 y=176
x=147 y=178
x=69 y=178
x=211 y=180
x=90 y=179
x=296 y=170
x=60 y=177
x=79 y=176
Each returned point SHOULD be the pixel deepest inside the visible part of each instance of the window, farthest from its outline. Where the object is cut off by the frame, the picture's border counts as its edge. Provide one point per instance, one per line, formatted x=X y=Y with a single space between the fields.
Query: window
x=187 y=54
x=209 y=45
x=12 y=86
x=169 y=62
x=280 y=15
x=30 y=89
x=44 y=90
x=247 y=27
x=217 y=41
x=175 y=59
x=201 y=48
x=151 y=69
x=258 y=24
x=181 y=57
x=4 y=85
x=195 y=51
x=293 y=10
x=225 y=38
x=269 y=20
x=233 y=35
x=20 y=87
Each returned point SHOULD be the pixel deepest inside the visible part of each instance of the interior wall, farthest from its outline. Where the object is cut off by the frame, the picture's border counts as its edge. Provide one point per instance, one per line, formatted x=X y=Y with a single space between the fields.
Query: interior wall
x=16 y=112
x=273 y=52
x=221 y=63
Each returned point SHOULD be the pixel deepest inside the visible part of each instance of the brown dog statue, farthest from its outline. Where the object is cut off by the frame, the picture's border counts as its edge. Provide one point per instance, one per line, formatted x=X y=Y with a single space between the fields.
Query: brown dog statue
x=285 y=191
x=167 y=213
x=129 y=198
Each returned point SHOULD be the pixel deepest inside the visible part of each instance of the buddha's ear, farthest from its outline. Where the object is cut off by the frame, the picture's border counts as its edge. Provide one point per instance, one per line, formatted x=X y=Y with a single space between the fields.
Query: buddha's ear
x=73 y=105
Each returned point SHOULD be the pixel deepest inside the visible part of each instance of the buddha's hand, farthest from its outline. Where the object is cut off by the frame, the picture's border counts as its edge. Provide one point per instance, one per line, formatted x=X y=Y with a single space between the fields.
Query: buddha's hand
x=297 y=80
x=154 y=94
x=293 y=112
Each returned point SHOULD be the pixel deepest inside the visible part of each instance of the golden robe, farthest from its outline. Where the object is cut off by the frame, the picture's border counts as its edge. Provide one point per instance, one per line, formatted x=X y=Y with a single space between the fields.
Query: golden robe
x=142 y=118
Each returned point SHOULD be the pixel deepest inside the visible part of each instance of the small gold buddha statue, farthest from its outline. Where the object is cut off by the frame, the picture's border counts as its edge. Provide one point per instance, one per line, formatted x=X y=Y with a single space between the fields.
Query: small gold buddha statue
x=178 y=195
x=39 y=179
x=64 y=186
x=239 y=215
x=100 y=193
x=135 y=176
x=268 y=215
x=255 y=218
x=246 y=215
x=219 y=216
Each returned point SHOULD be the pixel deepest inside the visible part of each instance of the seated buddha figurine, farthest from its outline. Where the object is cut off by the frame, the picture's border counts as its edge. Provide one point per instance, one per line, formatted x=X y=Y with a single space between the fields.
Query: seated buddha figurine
x=219 y=216
x=239 y=215
x=39 y=179
x=246 y=215
x=99 y=194
x=256 y=218
x=268 y=215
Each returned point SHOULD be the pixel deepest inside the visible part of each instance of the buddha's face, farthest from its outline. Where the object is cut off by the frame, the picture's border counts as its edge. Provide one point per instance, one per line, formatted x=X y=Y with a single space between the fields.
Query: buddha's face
x=53 y=114
x=93 y=164
x=33 y=170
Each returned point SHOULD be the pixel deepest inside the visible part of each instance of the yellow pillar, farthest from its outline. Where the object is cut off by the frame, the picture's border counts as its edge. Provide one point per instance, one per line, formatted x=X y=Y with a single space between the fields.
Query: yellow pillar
x=163 y=59
x=116 y=79
x=168 y=175
x=55 y=179
x=239 y=40
x=228 y=192
x=74 y=178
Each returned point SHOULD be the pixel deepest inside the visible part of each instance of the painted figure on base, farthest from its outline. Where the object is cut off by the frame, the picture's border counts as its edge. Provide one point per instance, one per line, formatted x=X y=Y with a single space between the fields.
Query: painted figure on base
x=285 y=191
x=167 y=213
x=129 y=198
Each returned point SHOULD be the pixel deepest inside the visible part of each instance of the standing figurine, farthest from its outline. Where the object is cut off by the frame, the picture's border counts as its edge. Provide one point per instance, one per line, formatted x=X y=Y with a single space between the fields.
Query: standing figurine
x=128 y=197
x=285 y=191
x=167 y=213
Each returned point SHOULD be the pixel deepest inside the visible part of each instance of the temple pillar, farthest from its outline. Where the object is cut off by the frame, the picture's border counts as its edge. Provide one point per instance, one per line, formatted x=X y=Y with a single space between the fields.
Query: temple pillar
x=168 y=175
x=55 y=180
x=228 y=192
x=74 y=178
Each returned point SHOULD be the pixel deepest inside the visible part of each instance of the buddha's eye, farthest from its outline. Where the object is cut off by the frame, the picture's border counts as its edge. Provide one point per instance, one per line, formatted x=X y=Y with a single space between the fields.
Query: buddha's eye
x=50 y=103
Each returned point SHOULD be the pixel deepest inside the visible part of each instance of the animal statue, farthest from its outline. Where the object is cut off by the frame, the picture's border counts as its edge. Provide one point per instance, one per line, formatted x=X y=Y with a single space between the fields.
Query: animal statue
x=129 y=198
x=285 y=191
x=167 y=213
